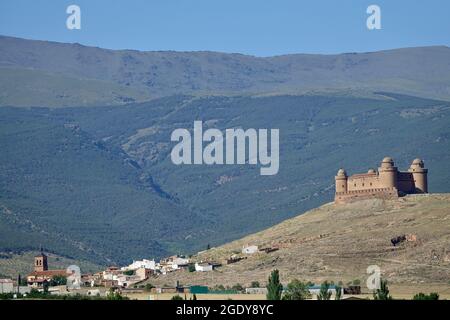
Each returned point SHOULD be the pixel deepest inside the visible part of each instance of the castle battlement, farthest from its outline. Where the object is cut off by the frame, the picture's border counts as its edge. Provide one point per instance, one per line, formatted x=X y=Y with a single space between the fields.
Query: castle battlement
x=386 y=183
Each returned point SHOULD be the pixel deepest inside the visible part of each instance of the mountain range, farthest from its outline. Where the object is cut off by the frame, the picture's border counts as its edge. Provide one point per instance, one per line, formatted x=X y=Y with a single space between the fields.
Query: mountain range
x=85 y=167
x=50 y=74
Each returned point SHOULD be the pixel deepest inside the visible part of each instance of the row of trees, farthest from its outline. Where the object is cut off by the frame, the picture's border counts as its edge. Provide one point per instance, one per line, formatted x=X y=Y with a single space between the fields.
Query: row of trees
x=298 y=290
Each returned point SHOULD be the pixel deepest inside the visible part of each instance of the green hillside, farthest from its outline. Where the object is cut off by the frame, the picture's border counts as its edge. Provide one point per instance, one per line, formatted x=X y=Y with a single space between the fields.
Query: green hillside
x=98 y=183
x=25 y=87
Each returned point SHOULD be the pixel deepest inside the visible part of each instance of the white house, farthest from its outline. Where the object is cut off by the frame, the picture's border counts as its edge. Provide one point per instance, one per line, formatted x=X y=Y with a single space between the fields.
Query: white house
x=127 y=281
x=6 y=286
x=203 y=267
x=249 y=249
x=178 y=263
x=147 y=264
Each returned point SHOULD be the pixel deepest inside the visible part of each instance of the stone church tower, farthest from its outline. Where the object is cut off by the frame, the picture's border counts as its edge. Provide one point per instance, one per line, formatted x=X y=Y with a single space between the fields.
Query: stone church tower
x=40 y=263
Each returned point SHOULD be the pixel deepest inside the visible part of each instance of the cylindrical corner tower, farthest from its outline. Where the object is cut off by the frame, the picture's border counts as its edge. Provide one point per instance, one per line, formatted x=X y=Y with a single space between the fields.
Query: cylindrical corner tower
x=419 y=174
x=388 y=173
x=341 y=181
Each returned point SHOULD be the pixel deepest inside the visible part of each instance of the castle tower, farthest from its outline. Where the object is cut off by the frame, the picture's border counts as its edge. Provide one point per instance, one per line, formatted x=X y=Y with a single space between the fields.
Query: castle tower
x=420 y=176
x=388 y=173
x=40 y=263
x=341 y=181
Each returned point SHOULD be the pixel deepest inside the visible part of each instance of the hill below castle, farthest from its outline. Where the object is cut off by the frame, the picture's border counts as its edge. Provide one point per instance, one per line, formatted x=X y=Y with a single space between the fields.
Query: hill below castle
x=339 y=242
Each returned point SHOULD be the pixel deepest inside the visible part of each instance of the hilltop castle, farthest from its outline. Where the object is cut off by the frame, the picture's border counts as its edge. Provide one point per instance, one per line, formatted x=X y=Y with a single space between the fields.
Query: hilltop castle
x=386 y=183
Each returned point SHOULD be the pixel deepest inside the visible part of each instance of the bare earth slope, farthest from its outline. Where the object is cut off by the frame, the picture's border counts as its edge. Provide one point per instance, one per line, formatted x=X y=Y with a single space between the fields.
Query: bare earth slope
x=339 y=242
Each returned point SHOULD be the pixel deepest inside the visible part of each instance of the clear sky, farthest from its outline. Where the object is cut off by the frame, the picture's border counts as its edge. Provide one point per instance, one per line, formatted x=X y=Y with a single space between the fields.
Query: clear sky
x=257 y=27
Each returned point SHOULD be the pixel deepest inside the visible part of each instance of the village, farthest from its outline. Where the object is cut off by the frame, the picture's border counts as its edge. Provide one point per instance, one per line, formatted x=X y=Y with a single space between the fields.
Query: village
x=130 y=280
x=142 y=278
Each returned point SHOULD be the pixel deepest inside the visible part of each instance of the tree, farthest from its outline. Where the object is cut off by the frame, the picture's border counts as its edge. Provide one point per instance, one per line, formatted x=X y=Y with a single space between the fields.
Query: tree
x=115 y=295
x=128 y=272
x=296 y=290
x=338 y=292
x=194 y=297
x=423 y=296
x=45 y=286
x=208 y=247
x=383 y=292
x=176 y=297
x=325 y=293
x=148 y=287
x=22 y=281
x=191 y=267
x=238 y=287
x=58 y=280
x=255 y=284
x=274 y=287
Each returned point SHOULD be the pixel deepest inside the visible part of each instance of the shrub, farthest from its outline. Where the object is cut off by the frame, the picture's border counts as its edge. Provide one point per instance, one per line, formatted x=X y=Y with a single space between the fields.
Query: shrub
x=296 y=290
x=423 y=296
x=325 y=293
x=383 y=292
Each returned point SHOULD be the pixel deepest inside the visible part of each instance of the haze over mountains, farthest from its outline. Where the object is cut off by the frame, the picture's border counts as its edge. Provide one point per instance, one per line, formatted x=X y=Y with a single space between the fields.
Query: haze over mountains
x=42 y=73
x=94 y=180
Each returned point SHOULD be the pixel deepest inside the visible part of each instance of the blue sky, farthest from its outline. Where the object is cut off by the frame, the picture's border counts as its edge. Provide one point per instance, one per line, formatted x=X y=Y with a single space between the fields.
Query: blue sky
x=257 y=27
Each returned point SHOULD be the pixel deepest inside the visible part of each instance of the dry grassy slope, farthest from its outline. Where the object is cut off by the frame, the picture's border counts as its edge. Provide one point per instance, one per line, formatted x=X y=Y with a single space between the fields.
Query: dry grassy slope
x=340 y=242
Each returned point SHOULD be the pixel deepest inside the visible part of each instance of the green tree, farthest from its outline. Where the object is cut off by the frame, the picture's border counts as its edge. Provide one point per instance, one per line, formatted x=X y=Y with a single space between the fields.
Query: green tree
x=338 y=292
x=191 y=267
x=194 y=297
x=115 y=295
x=325 y=293
x=148 y=287
x=255 y=284
x=58 y=280
x=22 y=281
x=274 y=287
x=423 y=296
x=238 y=287
x=176 y=297
x=296 y=290
x=45 y=286
x=128 y=272
x=383 y=292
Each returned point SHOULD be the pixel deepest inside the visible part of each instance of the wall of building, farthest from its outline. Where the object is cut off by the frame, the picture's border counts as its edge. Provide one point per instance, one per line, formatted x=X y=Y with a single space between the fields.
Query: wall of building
x=388 y=182
x=363 y=182
x=405 y=182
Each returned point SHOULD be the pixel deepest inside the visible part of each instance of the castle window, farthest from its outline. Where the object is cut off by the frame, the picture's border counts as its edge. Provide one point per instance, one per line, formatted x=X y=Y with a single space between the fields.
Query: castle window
x=371 y=183
x=355 y=184
x=342 y=186
x=363 y=184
